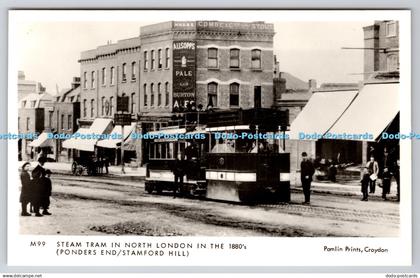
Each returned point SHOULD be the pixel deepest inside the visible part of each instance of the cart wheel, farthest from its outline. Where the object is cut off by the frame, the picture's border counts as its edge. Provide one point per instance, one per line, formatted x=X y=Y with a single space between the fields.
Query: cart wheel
x=149 y=188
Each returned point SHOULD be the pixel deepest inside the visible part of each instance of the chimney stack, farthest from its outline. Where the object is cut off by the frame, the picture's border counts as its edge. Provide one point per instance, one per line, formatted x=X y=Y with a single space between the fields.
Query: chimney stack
x=312 y=84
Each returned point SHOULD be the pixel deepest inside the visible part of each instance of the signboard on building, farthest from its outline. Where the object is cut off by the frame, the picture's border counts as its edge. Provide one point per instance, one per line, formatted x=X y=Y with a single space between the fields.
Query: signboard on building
x=184 y=76
x=122 y=104
x=122 y=119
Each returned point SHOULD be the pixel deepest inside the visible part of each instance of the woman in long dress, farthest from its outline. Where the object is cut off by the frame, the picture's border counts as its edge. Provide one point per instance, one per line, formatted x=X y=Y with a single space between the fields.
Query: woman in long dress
x=26 y=191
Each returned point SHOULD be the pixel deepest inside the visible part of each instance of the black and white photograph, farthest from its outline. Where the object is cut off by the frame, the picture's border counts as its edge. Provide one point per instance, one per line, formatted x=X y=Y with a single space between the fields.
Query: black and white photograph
x=176 y=136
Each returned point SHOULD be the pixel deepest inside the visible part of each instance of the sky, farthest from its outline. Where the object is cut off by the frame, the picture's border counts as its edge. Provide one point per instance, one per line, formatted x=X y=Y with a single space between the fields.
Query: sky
x=48 y=50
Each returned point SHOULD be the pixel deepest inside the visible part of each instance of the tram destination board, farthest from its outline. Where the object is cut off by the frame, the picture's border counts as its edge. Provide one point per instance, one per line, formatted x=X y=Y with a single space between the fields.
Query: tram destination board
x=122 y=119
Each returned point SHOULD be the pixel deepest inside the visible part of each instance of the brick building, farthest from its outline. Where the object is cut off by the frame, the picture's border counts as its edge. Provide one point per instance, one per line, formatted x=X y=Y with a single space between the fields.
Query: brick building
x=62 y=118
x=174 y=65
x=381 y=47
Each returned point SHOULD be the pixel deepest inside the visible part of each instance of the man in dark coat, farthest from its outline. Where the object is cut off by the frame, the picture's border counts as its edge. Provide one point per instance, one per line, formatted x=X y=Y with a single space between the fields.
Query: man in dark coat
x=306 y=171
x=46 y=193
x=26 y=191
x=38 y=175
x=179 y=172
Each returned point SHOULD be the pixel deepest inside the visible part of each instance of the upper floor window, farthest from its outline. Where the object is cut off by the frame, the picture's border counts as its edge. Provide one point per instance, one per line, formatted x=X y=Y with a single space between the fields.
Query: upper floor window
x=62 y=121
x=234 y=94
x=103 y=106
x=133 y=71
x=28 y=121
x=69 y=123
x=145 y=94
x=234 y=58
x=152 y=94
x=133 y=103
x=92 y=108
x=33 y=103
x=159 y=91
x=85 y=80
x=167 y=57
x=112 y=77
x=145 y=61
x=166 y=93
x=93 y=80
x=111 y=105
x=124 y=72
x=160 y=62
x=152 y=57
x=256 y=59
x=212 y=58
x=391 y=29
x=212 y=94
x=103 y=76
x=85 y=108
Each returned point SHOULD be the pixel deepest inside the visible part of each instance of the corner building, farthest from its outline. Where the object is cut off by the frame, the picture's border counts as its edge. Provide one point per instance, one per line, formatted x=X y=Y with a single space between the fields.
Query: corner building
x=222 y=65
x=175 y=64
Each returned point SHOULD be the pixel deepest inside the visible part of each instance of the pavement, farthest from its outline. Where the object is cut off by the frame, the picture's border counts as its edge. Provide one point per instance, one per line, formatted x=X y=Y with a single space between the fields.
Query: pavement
x=349 y=188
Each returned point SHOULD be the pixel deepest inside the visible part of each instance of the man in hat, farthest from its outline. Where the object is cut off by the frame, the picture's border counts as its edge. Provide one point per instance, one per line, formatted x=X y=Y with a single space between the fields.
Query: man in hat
x=306 y=172
x=38 y=175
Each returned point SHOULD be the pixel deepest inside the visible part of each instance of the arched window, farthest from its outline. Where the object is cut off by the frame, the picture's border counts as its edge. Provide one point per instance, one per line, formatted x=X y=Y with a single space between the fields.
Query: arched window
x=166 y=93
x=103 y=106
x=133 y=103
x=85 y=80
x=124 y=72
x=145 y=61
x=92 y=108
x=234 y=94
x=160 y=62
x=152 y=57
x=159 y=98
x=133 y=71
x=212 y=94
x=145 y=94
x=112 y=76
x=85 y=108
x=152 y=94
x=111 y=105
x=167 y=57
x=256 y=59
x=93 y=77
x=103 y=76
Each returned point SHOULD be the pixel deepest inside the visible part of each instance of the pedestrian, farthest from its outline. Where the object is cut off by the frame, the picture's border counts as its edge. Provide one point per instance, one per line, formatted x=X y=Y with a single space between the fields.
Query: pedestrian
x=365 y=183
x=373 y=169
x=38 y=175
x=25 y=193
x=386 y=182
x=178 y=171
x=106 y=164
x=46 y=193
x=306 y=172
x=396 y=174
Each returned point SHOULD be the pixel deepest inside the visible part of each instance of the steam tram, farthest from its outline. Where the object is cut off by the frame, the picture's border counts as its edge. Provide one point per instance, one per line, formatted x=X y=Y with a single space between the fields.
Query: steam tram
x=229 y=155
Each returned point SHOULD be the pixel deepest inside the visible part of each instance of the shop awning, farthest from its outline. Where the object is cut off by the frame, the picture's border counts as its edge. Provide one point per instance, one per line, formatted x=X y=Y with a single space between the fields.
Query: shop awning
x=372 y=111
x=114 y=143
x=42 y=141
x=168 y=131
x=321 y=112
x=98 y=127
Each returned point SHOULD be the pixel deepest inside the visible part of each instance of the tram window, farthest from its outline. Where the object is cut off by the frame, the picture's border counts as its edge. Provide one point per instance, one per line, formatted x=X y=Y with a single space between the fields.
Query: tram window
x=171 y=150
x=159 y=151
x=164 y=150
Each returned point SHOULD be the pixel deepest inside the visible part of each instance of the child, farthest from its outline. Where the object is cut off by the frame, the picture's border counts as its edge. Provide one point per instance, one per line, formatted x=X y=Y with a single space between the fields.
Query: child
x=365 y=183
x=46 y=192
x=386 y=183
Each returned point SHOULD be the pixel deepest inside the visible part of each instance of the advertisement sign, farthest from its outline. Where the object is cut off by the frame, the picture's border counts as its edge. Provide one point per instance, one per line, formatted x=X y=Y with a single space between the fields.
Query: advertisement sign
x=184 y=77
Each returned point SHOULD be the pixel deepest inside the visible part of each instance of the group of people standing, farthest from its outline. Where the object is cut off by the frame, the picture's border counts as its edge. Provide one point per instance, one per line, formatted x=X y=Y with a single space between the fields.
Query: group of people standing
x=373 y=172
x=36 y=188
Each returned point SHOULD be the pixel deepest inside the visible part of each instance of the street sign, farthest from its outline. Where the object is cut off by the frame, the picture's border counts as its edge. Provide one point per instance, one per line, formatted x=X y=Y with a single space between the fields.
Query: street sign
x=122 y=104
x=122 y=119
